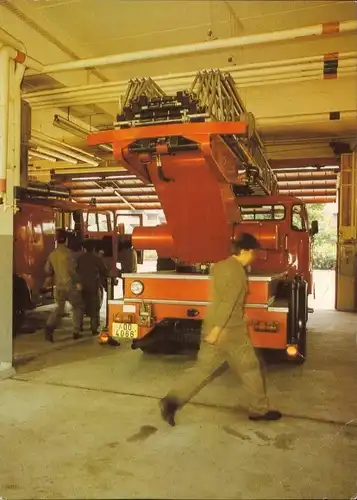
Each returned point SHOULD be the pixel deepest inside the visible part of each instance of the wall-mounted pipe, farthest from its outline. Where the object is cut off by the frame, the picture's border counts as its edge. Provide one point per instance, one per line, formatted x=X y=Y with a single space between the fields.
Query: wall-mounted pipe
x=305 y=118
x=172 y=89
x=9 y=41
x=106 y=86
x=185 y=80
x=6 y=54
x=19 y=74
x=227 y=43
x=270 y=75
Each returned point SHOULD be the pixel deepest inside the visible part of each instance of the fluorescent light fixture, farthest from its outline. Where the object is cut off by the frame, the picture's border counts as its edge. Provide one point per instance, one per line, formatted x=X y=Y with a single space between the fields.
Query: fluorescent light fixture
x=85 y=178
x=66 y=151
x=40 y=135
x=41 y=155
x=60 y=156
x=75 y=129
x=112 y=177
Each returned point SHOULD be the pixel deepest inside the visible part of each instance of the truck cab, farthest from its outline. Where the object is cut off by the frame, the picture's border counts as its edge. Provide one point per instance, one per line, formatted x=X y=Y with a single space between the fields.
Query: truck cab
x=281 y=224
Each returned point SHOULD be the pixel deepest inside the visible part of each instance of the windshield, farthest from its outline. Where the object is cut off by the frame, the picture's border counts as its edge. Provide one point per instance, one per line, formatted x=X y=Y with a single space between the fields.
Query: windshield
x=262 y=212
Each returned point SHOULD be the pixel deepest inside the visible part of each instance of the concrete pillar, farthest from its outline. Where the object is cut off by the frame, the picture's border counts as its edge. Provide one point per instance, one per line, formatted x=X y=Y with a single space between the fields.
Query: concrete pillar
x=346 y=272
x=11 y=74
x=6 y=255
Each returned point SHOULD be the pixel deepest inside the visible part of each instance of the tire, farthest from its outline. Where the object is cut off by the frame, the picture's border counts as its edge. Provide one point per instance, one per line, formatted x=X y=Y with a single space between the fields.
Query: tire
x=302 y=328
x=21 y=303
x=17 y=321
x=101 y=296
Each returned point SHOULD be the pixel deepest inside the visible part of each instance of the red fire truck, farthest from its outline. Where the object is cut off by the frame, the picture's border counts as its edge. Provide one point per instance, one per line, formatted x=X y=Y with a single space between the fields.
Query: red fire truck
x=205 y=159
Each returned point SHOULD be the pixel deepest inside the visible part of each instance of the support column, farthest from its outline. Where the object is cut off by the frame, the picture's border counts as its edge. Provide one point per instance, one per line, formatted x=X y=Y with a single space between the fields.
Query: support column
x=11 y=74
x=346 y=272
x=6 y=264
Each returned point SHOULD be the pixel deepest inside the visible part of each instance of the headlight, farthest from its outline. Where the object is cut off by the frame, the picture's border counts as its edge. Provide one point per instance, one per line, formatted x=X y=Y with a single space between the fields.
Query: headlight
x=137 y=287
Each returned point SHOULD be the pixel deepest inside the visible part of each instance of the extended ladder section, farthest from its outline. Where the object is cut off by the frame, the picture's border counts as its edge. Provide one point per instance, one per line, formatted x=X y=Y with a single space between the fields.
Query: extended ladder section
x=213 y=96
x=199 y=149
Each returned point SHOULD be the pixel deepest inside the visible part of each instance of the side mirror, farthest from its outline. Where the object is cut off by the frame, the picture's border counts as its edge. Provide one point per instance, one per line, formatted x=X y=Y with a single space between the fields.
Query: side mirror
x=314 y=228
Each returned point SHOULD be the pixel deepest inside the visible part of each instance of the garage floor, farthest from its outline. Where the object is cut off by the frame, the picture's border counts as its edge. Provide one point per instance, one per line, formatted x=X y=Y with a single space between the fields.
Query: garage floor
x=81 y=421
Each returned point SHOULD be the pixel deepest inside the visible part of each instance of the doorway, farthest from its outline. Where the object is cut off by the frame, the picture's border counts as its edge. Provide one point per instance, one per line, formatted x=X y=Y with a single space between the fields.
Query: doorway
x=324 y=255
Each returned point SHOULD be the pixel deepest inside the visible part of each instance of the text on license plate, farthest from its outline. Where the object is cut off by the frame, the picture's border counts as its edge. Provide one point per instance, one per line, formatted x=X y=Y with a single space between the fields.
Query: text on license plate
x=125 y=330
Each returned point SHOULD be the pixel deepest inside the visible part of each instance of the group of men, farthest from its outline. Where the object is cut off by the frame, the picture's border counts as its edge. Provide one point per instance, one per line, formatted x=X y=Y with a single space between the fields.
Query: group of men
x=78 y=277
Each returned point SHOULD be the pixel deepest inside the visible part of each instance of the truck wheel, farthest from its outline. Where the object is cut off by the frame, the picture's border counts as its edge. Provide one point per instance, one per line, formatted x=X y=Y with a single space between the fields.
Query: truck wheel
x=101 y=296
x=302 y=329
x=18 y=320
x=21 y=303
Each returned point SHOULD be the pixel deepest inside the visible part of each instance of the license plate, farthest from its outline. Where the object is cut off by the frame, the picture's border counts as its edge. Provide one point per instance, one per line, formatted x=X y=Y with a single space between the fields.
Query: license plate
x=125 y=330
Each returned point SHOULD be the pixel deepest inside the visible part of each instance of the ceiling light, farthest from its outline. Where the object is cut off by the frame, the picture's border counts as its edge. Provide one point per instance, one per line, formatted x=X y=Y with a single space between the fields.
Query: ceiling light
x=57 y=155
x=65 y=151
x=85 y=178
x=42 y=156
x=75 y=129
x=112 y=177
x=47 y=138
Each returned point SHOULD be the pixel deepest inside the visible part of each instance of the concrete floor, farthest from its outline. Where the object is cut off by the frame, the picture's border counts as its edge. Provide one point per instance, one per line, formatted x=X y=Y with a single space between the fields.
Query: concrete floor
x=81 y=421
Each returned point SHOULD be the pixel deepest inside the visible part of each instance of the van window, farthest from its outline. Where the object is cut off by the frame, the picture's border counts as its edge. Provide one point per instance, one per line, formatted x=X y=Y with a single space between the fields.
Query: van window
x=97 y=222
x=92 y=226
x=262 y=212
x=297 y=218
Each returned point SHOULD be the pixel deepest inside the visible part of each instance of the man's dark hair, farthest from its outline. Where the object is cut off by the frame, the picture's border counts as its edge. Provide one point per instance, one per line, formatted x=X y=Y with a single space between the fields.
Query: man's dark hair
x=245 y=241
x=89 y=245
x=61 y=236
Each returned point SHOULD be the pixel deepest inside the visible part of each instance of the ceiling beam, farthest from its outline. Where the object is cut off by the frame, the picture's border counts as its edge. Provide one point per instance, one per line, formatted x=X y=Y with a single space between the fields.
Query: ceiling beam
x=277 y=164
x=307 y=184
x=308 y=192
x=77 y=188
x=114 y=198
x=322 y=175
x=318 y=199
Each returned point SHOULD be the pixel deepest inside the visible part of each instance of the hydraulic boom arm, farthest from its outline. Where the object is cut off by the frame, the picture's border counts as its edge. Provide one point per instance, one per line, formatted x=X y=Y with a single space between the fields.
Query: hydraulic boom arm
x=176 y=144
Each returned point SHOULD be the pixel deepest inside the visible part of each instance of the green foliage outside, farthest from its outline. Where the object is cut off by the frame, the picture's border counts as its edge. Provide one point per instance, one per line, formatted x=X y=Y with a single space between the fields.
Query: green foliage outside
x=325 y=242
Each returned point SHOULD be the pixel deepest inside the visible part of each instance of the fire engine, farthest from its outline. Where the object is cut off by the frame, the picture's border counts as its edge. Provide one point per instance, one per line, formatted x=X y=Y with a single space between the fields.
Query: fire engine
x=201 y=151
x=41 y=210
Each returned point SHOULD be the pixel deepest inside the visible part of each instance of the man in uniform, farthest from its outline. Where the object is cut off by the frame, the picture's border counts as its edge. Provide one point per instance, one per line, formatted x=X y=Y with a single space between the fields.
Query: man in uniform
x=61 y=266
x=226 y=338
x=92 y=273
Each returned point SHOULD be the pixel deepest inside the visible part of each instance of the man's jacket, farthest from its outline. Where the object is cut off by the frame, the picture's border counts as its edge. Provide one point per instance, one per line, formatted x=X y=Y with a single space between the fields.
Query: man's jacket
x=61 y=265
x=92 y=271
x=228 y=291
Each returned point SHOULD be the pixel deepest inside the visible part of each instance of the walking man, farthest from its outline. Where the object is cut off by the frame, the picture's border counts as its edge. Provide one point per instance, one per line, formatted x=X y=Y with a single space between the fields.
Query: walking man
x=226 y=338
x=61 y=266
x=92 y=273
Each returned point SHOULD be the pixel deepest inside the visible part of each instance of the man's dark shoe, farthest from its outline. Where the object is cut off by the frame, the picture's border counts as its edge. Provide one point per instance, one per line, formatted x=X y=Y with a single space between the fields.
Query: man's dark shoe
x=269 y=415
x=168 y=409
x=94 y=333
x=77 y=335
x=49 y=335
